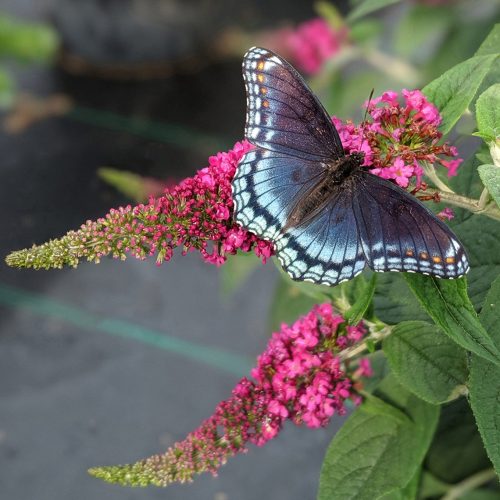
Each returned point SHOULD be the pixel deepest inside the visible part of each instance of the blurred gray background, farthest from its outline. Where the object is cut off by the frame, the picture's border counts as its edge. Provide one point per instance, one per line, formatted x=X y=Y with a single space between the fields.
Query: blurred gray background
x=112 y=363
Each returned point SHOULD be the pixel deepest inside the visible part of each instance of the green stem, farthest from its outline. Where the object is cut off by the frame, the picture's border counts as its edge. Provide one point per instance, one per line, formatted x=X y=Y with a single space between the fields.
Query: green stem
x=376 y=335
x=392 y=66
x=430 y=172
x=469 y=484
x=477 y=207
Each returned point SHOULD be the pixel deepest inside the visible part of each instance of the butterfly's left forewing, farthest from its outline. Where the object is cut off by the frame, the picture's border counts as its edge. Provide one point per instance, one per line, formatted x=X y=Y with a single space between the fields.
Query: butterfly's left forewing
x=266 y=186
x=283 y=115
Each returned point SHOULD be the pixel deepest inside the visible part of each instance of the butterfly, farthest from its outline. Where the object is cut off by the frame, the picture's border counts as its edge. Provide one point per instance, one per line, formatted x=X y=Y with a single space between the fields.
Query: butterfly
x=327 y=216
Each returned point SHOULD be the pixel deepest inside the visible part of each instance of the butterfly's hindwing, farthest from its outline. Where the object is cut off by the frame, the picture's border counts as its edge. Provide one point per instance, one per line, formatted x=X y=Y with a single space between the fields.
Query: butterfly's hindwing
x=399 y=233
x=328 y=250
x=282 y=113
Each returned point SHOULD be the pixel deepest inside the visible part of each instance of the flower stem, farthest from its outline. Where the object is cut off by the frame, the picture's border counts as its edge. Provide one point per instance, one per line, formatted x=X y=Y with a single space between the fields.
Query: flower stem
x=376 y=335
x=478 y=207
x=469 y=484
x=392 y=66
x=431 y=173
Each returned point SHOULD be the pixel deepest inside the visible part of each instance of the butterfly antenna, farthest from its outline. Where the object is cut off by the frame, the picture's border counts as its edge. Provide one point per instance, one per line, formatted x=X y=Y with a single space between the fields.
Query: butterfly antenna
x=363 y=123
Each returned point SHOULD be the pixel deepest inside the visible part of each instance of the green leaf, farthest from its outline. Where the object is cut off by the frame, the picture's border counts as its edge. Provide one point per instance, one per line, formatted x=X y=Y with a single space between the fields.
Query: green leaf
x=488 y=113
x=236 y=270
x=456 y=451
x=394 y=301
x=490 y=175
x=374 y=453
x=479 y=234
x=447 y=303
x=377 y=406
x=362 y=302
x=426 y=362
x=453 y=91
x=491 y=43
x=485 y=381
x=409 y=492
x=369 y=6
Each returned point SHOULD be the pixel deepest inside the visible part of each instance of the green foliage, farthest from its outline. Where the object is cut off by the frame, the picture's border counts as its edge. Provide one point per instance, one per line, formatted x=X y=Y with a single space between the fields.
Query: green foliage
x=362 y=300
x=488 y=113
x=490 y=175
x=485 y=381
x=426 y=362
x=447 y=303
x=454 y=90
x=380 y=447
x=456 y=451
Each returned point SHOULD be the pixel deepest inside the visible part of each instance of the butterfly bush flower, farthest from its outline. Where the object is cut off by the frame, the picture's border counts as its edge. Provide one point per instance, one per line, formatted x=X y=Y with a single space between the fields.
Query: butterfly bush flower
x=400 y=138
x=299 y=377
x=194 y=215
x=312 y=43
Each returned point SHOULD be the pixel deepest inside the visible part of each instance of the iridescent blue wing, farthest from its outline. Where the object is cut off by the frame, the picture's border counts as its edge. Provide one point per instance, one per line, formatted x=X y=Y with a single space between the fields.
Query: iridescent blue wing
x=327 y=250
x=398 y=233
x=265 y=188
x=283 y=115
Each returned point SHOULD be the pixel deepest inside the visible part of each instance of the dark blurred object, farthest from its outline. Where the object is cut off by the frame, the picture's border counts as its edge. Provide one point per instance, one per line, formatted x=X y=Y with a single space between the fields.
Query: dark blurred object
x=151 y=38
x=134 y=38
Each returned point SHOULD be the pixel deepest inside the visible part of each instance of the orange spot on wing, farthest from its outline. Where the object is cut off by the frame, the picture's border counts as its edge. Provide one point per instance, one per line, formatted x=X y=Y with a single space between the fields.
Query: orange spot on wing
x=450 y=260
x=409 y=253
x=436 y=259
x=260 y=65
x=263 y=90
x=424 y=255
x=265 y=104
x=260 y=77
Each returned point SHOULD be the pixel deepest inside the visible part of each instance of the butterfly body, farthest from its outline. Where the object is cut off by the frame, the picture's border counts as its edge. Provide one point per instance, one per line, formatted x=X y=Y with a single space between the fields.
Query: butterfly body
x=327 y=216
x=338 y=174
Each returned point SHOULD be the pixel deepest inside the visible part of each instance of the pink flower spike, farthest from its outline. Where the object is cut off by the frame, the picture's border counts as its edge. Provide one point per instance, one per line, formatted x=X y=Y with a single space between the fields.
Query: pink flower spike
x=312 y=43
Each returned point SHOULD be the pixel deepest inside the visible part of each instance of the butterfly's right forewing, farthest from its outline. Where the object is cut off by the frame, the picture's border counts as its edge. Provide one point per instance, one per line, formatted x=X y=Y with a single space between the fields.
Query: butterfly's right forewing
x=283 y=115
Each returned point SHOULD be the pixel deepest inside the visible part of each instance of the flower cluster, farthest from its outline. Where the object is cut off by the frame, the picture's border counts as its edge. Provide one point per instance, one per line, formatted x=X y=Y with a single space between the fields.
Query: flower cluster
x=194 y=215
x=312 y=43
x=400 y=138
x=398 y=141
x=299 y=377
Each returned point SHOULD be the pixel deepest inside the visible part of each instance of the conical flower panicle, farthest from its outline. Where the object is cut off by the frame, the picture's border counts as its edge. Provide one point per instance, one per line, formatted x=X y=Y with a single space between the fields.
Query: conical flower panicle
x=299 y=377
